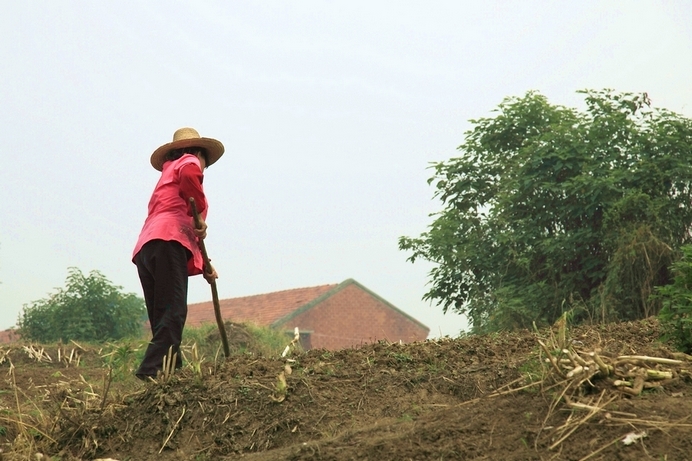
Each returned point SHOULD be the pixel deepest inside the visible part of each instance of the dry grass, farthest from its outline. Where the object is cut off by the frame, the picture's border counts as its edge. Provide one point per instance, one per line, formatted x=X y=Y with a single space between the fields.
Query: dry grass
x=573 y=374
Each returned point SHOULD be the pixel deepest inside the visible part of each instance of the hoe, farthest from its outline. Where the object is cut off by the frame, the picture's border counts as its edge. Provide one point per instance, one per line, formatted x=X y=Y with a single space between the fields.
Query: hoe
x=214 y=292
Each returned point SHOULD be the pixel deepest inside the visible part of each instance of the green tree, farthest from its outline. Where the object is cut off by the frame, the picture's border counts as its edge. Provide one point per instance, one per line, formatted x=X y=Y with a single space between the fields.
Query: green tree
x=676 y=314
x=89 y=308
x=550 y=208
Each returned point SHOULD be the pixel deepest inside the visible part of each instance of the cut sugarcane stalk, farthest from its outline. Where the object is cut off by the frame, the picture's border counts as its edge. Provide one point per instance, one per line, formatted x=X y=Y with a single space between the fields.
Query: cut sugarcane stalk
x=637 y=387
x=658 y=374
x=605 y=369
x=645 y=358
x=553 y=360
x=577 y=371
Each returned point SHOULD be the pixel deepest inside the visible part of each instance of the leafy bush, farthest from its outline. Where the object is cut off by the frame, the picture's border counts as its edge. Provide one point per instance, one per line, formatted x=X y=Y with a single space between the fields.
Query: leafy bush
x=243 y=339
x=89 y=308
x=549 y=208
x=676 y=314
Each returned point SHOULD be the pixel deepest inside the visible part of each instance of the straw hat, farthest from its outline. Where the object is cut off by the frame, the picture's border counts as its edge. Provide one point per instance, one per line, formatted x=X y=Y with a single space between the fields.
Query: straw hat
x=187 y=137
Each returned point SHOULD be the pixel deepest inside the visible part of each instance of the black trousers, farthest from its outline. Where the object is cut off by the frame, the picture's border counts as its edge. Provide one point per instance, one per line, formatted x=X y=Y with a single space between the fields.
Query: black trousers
x=162 y=268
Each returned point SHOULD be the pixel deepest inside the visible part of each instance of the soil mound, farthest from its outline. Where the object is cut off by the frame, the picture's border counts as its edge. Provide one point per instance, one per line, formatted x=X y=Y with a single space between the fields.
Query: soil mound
x=239 y=338
x=480 y=397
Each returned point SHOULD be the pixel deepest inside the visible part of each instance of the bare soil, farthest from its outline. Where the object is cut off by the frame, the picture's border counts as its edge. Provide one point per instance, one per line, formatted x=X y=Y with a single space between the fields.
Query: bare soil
x=476 y=398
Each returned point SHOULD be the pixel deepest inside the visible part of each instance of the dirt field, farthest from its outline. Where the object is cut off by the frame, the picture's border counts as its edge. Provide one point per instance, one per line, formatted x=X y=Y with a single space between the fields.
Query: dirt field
x=479 y=398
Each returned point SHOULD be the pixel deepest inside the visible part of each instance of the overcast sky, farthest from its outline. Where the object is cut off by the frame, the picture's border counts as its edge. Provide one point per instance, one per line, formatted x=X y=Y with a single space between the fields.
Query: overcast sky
x=330 y=111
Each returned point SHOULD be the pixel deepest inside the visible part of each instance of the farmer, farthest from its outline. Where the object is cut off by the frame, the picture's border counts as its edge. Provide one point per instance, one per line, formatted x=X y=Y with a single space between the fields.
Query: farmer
x=167 y=251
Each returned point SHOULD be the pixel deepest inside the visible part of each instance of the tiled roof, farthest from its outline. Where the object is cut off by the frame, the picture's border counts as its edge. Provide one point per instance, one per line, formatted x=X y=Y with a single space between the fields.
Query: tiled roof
x=262 y=309
x=8 y=336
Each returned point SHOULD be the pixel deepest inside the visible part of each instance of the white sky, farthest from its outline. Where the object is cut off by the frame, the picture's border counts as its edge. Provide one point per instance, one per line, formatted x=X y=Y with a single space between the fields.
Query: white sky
x=330 y=112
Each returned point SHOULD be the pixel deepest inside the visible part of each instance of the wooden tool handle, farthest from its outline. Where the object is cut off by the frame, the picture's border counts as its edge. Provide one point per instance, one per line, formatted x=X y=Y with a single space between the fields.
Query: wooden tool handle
x=202 y=247
x=214 y=292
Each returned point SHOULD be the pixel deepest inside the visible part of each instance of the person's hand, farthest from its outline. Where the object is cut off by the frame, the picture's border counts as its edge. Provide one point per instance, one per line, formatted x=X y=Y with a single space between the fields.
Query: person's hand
x=201 y=231
x=210 y=276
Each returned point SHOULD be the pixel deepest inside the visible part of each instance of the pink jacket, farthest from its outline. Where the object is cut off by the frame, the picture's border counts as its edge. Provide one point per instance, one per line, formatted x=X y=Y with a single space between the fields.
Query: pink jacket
x=168 y=218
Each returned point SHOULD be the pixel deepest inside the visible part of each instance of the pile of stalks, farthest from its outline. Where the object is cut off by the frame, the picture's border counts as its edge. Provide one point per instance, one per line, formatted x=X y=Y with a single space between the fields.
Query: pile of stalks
x=579 y=374
x=39 y=354
x=628 y=374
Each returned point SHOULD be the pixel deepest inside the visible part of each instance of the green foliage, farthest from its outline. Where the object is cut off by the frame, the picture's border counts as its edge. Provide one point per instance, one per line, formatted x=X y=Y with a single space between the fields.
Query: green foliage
x=200 y=335
x=548 y=208
x=243 y=339
x=533 y=370
x=676 y=314
x=89 y=308
x=270 y=342
x=199 y=345
x=123 y=357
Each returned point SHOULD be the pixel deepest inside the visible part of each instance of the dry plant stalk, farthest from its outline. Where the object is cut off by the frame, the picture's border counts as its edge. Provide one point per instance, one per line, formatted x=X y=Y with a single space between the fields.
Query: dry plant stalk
x=40 y=355
x=168 y=365
x=196 y=361
x=4 y=355
x=107 y=380
x=569 y=427
x=24 y=441
x=165 y=442
x=572 y=369
x=280 y=386
x=630 y=374
x=74 y=356
x=16 y=398
x=294 y=341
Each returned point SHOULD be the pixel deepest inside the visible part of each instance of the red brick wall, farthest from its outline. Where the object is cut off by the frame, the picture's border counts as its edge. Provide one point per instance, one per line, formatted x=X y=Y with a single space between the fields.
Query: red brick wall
x=8 y=336
x=353 y=317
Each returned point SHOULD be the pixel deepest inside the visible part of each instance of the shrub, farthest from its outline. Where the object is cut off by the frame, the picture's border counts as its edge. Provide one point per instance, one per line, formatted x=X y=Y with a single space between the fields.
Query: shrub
x=89 y=308
x=676 y=314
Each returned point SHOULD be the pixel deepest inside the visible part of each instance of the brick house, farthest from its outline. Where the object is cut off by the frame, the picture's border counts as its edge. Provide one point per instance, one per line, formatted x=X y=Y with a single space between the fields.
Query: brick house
x=331 y=317
x=8 y=336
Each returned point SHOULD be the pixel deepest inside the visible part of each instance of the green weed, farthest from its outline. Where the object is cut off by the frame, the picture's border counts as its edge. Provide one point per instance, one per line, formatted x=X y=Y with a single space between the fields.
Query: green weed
x=123 y=357
x=532 y=370
x=402 y=357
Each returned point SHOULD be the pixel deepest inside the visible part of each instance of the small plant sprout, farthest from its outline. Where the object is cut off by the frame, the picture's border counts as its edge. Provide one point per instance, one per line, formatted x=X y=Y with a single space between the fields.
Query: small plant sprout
x=168 y=365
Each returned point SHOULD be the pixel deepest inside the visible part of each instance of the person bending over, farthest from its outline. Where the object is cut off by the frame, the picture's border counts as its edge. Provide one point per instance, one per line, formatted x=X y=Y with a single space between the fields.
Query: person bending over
x=167 y=251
